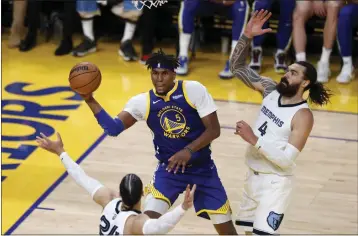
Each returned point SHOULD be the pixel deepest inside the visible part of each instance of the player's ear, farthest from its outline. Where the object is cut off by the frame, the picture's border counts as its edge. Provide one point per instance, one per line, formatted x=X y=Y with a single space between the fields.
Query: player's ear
x=305 y=83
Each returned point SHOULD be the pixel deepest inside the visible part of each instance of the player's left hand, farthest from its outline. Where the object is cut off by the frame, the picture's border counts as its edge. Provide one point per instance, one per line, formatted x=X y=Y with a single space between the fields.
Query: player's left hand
x=179 y=159
x=246 y=133
x=55 y=147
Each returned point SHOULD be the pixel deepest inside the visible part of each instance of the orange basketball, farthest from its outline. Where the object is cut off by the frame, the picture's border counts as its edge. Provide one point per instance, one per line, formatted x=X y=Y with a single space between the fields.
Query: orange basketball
x=85 y=78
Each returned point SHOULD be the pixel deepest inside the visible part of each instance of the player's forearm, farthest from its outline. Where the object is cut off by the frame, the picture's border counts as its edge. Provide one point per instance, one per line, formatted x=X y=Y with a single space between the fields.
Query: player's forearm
x=165 y=223
x=282 y=158
x=78 y=174
x=238 y=63
x=111 y=126
x=93 y=105
x=204 y=139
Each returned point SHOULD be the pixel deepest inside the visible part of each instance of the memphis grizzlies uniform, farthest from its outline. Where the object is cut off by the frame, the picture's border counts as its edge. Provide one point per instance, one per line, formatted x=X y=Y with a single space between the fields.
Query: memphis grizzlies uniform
x=175 y=122
x=267 y=187
x=113 y=219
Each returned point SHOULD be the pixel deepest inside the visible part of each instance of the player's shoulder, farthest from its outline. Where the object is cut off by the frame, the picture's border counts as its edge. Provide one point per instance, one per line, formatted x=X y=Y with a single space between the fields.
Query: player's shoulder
x=140 y=97
x=194 y=87
x=193 y=84
x=304 y=116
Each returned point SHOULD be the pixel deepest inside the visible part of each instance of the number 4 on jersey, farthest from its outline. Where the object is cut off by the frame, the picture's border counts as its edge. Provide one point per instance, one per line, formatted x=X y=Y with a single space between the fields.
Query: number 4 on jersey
x=263 y=128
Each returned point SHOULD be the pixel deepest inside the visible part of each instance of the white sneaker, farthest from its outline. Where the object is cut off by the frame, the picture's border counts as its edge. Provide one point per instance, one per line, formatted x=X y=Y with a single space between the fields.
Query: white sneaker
x=226 y=72
x=323 y=72
x=346 y=74
x=183 y=67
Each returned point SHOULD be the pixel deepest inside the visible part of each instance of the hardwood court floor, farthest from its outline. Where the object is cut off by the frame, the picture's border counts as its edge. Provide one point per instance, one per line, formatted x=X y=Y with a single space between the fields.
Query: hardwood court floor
x=35 y=202
x=324 y=201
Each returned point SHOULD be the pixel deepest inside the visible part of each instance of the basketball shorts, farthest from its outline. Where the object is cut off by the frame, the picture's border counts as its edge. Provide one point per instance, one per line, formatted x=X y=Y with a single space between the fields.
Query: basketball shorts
x=210 y=196
x=265 y=199
x=87 y=6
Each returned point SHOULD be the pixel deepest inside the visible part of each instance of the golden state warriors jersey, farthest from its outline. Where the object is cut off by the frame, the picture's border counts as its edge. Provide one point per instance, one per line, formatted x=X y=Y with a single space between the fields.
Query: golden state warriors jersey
x=175 y=124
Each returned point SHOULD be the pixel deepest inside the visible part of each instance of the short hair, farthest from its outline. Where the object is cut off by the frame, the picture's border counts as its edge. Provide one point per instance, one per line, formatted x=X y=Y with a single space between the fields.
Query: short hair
x=161 y=60
x=131 y=189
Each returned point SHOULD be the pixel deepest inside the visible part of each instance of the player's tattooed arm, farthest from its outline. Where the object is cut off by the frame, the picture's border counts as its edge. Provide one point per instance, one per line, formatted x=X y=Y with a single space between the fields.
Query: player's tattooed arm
x=250 y=77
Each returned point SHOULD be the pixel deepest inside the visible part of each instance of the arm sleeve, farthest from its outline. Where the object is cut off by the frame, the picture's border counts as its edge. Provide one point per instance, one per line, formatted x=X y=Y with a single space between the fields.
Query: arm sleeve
x=199 y=96
x=165 y=223
x=282 y=158
x=137 y=106
x=78 y=174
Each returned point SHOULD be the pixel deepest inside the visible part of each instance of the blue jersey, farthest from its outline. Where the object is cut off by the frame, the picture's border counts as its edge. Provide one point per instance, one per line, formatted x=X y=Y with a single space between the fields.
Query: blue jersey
x=175 y=123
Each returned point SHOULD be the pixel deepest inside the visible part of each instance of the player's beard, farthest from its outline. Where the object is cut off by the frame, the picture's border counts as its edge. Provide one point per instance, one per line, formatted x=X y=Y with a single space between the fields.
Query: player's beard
x=285 y=89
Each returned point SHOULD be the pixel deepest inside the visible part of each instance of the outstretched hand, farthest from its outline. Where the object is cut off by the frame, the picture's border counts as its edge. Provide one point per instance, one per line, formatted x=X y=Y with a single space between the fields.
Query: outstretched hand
x=189 y=197
x=256 y=22
x=56 y=147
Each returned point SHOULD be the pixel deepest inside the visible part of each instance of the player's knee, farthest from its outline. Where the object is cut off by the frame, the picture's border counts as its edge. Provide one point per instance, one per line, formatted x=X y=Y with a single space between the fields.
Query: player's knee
x=155 y=207
x=223 y=224
x=226 y=228
x=301 y=14
x=86 y=15
x=153 y=214
x=334 y=5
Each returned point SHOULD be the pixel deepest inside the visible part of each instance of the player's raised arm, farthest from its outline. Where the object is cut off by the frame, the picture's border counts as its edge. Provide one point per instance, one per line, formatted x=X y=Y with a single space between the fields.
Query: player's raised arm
x=238 y=59
x=100 y=194
x=142 y=224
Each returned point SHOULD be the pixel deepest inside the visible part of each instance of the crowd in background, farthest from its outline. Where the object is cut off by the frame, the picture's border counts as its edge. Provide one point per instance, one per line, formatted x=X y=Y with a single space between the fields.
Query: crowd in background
x=340 y=25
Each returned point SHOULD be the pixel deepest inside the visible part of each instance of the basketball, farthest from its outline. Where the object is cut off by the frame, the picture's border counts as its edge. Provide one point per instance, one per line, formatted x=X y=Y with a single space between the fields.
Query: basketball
x=85 y=78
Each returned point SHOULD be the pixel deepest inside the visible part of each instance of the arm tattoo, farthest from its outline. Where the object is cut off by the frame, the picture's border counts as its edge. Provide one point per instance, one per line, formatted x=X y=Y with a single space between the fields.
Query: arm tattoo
x=245 y=73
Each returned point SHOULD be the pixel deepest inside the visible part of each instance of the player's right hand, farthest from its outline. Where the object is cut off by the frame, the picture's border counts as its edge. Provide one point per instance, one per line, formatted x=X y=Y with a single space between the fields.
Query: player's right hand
x=256 y=22
x=55 y=147
x=189 y=197
x=86 y=97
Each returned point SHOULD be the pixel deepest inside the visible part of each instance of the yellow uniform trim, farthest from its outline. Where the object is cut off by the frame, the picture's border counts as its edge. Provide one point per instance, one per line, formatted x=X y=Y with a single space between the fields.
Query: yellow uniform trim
x=148 y=106
x=186 y=96
x=167 y=97
x=222 y=210
x=156 y=194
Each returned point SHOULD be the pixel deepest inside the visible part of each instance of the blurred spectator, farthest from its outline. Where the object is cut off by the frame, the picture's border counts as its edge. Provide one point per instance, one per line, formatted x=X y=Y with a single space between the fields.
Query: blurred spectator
x=237 y=10
x=347 y=20
x=124 y=9
x=34 y=10
x=283 y=35
x=17 y=28
x=303 y=11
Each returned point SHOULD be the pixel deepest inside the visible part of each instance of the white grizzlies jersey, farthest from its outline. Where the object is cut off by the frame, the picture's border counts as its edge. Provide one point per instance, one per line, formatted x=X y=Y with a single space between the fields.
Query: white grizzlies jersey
x=273 y=125
x=113 y=219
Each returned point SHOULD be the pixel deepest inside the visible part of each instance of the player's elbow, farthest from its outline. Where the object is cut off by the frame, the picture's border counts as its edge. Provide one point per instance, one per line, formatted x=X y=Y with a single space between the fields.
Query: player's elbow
x=215 y=133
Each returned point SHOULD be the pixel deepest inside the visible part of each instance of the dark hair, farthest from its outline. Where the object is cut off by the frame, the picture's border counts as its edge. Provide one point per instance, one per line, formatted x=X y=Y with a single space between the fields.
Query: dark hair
x=318 y=94
x=131 y=189
x=167 y=61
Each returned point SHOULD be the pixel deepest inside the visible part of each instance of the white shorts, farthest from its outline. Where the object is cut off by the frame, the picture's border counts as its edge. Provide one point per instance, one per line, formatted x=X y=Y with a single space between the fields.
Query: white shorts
x=265 y=199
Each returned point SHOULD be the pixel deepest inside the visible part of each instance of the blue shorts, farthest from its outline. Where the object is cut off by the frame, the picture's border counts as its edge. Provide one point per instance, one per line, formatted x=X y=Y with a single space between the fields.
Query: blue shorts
x=87 y=6
x=210 y=196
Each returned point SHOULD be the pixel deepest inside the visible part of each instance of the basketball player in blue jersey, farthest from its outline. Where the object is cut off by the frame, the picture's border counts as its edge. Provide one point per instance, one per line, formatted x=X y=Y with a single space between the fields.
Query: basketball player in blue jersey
x=237 y=10
x=182 y=118
x=282 y=37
